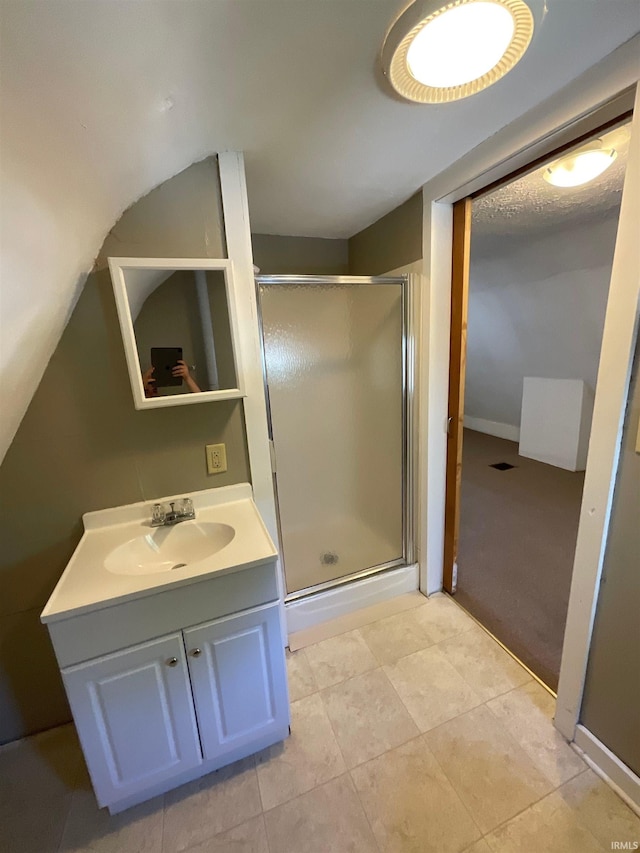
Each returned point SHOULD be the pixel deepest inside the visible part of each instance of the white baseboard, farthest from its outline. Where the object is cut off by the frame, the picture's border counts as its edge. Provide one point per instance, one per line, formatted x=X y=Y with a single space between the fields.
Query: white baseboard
x=349 y=597
x=508 y=431
x=609 y=767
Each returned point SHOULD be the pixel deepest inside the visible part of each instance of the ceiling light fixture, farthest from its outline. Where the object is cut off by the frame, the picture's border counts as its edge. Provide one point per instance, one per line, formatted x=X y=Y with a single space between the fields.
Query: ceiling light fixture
x=580 y=166
x=433 y=53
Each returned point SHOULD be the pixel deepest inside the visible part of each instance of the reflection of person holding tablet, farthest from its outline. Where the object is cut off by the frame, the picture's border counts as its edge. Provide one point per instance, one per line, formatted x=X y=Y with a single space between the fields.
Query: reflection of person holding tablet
x=180 y=370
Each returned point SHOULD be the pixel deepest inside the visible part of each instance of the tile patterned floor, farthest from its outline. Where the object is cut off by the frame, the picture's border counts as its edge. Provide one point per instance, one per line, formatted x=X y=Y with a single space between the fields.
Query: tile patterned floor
x=410 y=734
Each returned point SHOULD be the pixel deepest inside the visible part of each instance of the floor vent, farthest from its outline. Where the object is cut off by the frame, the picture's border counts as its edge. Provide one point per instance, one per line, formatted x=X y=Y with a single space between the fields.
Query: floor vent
x=502 y=466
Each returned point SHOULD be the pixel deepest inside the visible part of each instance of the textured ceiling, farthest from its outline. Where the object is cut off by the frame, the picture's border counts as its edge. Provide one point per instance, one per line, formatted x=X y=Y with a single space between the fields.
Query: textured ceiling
x=531 y=205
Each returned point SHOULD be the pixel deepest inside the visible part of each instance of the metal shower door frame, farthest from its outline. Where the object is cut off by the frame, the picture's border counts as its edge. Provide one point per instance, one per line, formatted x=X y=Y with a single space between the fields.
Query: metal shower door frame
x=408 y=403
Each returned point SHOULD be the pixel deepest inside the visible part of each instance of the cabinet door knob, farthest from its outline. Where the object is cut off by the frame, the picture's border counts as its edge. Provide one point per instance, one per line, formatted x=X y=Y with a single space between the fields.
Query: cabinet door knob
x=172 y=662
x=196 y=653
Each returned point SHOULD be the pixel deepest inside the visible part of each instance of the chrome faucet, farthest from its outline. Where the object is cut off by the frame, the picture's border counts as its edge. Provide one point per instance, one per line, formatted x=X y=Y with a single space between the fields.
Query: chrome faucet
x=161 y=517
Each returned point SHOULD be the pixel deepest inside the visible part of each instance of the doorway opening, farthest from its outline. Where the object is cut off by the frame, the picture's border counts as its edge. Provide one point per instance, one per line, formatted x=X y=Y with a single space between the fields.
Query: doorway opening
x=531 y=265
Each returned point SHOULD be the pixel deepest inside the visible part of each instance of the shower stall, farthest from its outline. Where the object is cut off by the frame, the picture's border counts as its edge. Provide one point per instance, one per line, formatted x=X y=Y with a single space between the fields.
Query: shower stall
x=336 y=368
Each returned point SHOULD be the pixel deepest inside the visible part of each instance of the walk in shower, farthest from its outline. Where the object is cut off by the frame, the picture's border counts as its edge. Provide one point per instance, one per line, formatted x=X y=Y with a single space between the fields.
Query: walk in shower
x=335 y=358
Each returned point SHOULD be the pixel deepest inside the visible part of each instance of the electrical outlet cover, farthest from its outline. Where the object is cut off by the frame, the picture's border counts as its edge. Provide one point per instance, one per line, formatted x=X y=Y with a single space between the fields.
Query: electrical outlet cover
x=216 y=458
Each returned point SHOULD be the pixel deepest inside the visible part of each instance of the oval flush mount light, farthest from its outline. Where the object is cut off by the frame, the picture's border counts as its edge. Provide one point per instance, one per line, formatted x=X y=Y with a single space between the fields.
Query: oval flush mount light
x=433 y=54
x=580 y=166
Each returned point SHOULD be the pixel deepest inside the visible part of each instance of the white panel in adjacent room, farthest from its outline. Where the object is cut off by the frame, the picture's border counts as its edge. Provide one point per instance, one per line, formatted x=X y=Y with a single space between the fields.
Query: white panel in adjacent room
x=556 y=421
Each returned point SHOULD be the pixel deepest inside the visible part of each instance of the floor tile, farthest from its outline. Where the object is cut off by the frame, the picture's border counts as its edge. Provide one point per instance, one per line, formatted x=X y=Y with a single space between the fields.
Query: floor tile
x=491 y=773
x=527 y=714
x=43 y=769
x=396 y=636
x=549 y=826
x=136 y=830
x=601 y=810
x=431 y=689
x=339 y=658
x=329 y=818
x=300 y=676
x=248 y=837
x=309 y=757
x=411 y=805
x=205 y=807
x=367 y=716
x=483 y=663
x=441 y=618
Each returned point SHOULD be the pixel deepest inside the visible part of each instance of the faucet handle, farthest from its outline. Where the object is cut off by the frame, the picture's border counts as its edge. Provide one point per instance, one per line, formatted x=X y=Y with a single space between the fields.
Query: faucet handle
x=157 y=514
x=186 y=508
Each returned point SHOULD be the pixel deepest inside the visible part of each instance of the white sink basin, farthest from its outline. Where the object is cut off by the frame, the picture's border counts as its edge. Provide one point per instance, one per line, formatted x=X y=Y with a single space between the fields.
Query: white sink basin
x=121 y=557
x=166 y=549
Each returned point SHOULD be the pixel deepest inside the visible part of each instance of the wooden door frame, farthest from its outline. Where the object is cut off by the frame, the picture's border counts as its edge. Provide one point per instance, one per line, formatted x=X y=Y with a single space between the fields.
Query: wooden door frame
x=460 y=259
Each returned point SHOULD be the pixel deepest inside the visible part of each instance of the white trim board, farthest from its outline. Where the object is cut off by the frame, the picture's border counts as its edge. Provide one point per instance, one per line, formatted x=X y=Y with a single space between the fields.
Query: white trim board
x=508 y=431
x=612 y=389
x=307 y=612
x=238 y=236
x=235 y=207
x=433 y=389
x=609 y=767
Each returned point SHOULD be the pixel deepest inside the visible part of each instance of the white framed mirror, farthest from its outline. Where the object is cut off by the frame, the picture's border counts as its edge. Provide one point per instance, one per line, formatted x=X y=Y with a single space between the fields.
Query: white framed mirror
x=179 y=329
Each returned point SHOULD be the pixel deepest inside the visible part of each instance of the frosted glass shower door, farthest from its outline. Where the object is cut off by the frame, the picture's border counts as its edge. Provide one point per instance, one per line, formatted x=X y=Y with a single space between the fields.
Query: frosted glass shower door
x=334 y=364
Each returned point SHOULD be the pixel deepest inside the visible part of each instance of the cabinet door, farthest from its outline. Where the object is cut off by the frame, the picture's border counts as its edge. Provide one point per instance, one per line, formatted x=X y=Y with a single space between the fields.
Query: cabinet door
x=237 y=668
x=135 y=717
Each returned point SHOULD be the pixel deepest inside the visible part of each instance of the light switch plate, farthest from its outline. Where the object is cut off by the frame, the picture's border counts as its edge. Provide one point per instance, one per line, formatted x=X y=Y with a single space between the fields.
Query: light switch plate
x=216 y=458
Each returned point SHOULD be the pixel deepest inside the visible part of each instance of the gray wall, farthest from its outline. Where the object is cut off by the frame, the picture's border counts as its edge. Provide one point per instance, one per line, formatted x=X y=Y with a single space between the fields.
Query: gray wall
x=391 y=242
x=299 y=255
x=82 y=446
x=536 y=308
x=611 y=706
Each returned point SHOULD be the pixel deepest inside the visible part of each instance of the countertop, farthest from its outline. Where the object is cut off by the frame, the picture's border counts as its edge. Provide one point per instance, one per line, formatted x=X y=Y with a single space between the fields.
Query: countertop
x=87 y=585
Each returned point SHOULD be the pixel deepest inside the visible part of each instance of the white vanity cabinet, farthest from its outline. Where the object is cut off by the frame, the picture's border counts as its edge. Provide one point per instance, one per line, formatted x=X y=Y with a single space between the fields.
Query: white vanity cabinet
x=172 y=685
x=134 y=715
x=238 y=681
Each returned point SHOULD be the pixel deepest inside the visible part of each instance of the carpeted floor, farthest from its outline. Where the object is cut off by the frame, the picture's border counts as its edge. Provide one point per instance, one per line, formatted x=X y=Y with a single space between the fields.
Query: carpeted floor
x=518 y=533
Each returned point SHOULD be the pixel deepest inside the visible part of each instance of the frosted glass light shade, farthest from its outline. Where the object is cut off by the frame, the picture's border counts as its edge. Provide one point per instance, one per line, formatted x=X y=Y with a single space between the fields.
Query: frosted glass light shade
x=580 y=167
x=461 y=45
x=434 y=54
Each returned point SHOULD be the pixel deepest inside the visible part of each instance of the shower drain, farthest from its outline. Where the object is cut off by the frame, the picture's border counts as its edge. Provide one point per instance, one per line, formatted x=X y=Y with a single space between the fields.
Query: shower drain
x=178 y=566
x=329 y=558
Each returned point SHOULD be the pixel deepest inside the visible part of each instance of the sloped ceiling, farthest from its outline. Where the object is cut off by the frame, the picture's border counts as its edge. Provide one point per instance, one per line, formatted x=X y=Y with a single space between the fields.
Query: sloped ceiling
x=104 y=99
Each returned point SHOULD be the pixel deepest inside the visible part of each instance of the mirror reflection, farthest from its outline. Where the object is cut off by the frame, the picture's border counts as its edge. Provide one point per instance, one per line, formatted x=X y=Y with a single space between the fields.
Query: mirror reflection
x=182 y=330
